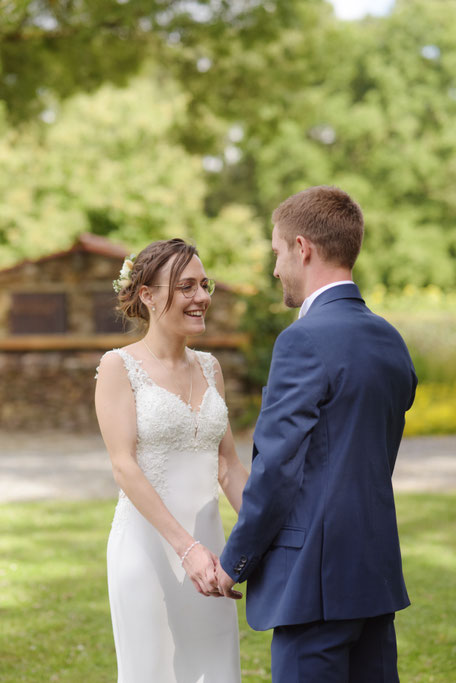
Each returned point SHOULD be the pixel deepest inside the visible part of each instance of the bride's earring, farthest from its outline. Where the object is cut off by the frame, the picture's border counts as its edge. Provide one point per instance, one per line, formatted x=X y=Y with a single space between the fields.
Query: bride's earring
x=153 y=308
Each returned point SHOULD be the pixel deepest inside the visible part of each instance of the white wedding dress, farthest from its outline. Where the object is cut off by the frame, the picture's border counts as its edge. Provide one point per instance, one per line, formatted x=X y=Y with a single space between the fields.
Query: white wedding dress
x=164 y=631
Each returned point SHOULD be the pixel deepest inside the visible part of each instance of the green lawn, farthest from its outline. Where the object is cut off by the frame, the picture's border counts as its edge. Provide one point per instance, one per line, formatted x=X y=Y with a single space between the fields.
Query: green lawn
x=55 y=623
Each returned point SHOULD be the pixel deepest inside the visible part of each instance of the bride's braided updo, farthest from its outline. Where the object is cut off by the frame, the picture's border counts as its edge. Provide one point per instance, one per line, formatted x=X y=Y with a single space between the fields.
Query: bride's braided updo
x=145 y=269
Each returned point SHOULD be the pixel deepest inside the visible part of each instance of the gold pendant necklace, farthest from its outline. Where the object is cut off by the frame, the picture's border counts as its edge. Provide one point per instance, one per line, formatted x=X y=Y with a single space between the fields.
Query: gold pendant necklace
x=181 y=393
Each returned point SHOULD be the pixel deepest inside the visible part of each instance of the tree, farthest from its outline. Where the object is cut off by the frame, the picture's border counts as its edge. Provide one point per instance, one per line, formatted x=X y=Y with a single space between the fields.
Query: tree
x=275 y=97
x=368 y=106
x=51 y=49
x=106 y=165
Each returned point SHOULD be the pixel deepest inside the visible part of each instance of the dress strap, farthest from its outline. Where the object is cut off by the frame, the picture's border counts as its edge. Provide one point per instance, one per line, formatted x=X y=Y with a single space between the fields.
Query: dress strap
x=135 y=372
x=207 y=362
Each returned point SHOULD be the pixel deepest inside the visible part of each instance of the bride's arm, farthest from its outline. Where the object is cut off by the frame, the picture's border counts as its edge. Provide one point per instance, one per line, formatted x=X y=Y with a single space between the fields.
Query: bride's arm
x=116 y=413
x=232 y=474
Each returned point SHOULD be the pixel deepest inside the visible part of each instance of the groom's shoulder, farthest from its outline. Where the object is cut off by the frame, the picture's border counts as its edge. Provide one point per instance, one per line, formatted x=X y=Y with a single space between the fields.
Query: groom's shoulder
x=324 y=326
x=298 y=333
x=390 y=332
x=307 y=326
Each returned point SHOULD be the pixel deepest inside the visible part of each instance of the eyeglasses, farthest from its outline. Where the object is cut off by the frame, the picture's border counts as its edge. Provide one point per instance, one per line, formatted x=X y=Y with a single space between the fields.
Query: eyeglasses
x=190 y=287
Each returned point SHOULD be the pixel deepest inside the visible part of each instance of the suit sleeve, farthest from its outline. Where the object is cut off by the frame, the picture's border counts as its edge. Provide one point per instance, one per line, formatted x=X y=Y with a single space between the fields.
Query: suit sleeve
x=414 y=385
x=297 y=386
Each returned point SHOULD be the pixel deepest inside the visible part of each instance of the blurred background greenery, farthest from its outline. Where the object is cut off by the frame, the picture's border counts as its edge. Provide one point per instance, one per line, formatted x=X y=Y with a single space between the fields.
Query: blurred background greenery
x=146 y=119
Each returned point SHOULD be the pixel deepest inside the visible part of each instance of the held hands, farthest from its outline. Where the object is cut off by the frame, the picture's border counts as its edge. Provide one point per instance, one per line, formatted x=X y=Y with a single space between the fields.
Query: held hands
x=225 y=583
x=207 y=575
x=199 y=563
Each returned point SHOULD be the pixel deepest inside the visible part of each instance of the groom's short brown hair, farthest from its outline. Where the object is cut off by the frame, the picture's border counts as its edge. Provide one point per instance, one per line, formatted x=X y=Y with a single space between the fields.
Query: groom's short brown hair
x=326 y=216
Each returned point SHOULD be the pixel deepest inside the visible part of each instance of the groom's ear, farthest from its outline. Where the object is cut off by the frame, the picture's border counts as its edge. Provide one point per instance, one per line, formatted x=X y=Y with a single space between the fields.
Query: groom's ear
x=305 y=247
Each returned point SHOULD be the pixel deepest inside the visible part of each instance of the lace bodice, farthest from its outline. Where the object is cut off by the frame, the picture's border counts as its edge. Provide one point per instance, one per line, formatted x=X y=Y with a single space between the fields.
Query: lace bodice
x=167 y=426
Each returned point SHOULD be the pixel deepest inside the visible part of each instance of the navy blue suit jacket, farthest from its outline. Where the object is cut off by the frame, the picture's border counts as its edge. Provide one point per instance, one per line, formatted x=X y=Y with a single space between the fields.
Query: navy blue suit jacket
x=317 y=535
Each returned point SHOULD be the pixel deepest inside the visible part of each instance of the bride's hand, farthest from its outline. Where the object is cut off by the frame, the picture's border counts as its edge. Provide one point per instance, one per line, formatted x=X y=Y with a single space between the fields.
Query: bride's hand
x=200 y=566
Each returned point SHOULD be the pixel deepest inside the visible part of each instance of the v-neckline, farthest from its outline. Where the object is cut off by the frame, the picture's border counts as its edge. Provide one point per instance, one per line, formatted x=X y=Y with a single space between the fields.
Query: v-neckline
x=195 y=411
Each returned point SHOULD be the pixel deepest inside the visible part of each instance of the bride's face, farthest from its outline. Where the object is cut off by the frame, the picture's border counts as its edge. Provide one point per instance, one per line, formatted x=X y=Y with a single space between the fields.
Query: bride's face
x=191 y=300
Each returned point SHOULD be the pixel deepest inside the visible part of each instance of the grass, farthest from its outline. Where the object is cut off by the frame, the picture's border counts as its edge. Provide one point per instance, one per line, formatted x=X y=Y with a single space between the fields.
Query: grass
x=54 y=606
x=427 y=630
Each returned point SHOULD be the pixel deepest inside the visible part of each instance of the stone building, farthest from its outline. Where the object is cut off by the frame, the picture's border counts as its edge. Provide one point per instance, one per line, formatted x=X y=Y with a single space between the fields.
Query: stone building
x=57 y=317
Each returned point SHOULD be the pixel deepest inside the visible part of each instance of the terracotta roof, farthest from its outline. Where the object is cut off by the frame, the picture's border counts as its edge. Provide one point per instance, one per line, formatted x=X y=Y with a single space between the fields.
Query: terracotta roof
x=96 y=244
x=86 y=242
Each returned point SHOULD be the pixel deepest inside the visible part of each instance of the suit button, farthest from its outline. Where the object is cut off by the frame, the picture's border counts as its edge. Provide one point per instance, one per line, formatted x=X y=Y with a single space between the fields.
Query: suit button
x=243 y=559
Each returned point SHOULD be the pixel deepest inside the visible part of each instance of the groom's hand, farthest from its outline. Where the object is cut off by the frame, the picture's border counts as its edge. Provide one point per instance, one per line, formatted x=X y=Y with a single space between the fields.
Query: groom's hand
x=200 y=565
x=226 y=583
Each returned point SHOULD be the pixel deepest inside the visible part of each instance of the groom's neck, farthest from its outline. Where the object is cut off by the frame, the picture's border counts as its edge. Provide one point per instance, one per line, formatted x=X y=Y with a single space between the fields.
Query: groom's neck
x=325 y=275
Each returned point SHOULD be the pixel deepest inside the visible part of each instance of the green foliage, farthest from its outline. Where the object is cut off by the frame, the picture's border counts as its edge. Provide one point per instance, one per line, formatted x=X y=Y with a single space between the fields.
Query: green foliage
x=411 y=299
x=55 y=613
x=51 y=50
x=281 y=95
x=106 y=166
x=264 y=318
x=141 y=120
x=433 y=411
x=426 y=318
x=368 y=106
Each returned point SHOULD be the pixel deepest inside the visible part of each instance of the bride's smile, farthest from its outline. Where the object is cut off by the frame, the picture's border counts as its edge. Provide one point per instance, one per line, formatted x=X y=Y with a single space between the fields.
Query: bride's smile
x=185 y=314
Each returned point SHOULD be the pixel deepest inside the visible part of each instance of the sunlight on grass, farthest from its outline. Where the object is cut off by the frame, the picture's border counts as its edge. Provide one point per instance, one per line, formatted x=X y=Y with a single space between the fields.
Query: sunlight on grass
x=54 y=605
x=427 y=630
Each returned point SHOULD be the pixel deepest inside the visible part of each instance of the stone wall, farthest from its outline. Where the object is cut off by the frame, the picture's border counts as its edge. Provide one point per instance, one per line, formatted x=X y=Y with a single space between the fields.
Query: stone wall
x=78 y=275
x=43 y=390
x=55 y=389
x=50 y=383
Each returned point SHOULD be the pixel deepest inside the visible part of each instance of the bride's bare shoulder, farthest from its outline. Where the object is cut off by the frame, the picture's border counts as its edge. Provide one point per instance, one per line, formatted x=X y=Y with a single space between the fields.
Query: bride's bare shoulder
x=110 y=363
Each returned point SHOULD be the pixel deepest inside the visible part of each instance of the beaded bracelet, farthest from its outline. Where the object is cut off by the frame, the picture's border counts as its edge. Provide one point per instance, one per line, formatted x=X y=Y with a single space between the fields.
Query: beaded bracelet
x=187 y=551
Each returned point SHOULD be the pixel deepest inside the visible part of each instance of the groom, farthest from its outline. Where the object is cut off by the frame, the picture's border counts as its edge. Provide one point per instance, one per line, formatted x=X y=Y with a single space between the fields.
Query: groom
x=317 y=535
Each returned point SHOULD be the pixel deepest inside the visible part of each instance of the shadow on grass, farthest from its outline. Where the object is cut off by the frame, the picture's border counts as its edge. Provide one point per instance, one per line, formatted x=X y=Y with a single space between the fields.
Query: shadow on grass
x=427 y=629
x=55 y=612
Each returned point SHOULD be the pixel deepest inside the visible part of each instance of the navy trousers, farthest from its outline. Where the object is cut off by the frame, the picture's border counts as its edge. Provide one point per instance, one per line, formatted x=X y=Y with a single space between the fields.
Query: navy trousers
x=350 y=651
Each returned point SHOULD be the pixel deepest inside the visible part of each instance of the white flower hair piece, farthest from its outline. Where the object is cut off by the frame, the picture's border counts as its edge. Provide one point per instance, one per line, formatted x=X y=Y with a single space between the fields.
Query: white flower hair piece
x=124 y=278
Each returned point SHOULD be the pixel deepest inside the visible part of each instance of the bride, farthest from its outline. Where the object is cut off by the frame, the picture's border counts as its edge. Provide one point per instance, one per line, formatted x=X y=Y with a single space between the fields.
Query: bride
x=164 y=421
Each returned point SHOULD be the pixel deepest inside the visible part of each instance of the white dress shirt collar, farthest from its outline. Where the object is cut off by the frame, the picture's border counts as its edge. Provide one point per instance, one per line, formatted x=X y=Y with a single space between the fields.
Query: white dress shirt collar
x=310 y=299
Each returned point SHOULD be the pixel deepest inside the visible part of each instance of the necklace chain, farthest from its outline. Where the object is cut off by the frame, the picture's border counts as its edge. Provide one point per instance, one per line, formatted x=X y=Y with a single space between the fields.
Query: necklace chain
x=170 y=372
